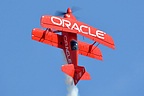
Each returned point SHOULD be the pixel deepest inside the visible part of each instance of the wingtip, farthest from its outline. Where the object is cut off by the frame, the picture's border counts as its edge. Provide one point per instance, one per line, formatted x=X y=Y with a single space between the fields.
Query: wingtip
x=113 y=47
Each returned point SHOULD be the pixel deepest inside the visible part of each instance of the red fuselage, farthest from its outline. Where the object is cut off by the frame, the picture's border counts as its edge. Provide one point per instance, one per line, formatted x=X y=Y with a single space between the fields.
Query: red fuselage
x=71 y=55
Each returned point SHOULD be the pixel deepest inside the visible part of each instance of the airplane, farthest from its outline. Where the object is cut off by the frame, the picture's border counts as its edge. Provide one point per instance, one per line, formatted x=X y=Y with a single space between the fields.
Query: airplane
x=69 y=28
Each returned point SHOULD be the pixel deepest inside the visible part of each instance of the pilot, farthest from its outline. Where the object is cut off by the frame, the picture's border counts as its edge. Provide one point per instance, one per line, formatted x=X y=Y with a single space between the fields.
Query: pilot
x=74 y=45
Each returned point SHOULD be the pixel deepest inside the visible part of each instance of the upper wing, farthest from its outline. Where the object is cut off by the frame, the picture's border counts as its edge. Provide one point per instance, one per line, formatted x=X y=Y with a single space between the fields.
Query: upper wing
x=47 y=37
x=70 y=25
x=89 y=50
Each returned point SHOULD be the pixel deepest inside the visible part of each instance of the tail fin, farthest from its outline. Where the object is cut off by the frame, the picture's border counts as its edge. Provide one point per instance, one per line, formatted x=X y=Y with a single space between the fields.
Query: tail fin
x=77 y=73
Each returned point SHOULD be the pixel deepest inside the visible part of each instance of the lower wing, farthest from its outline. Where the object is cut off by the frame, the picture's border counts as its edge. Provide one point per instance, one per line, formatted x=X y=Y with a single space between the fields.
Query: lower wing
x=50 y=38
x=89 y=50
x=47 y=37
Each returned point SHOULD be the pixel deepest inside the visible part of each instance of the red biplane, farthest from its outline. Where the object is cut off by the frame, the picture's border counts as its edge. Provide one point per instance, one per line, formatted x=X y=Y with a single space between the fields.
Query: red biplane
x=69 y=43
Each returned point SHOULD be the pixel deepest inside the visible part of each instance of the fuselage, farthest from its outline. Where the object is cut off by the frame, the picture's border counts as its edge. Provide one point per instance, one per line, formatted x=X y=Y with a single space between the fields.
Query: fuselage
x=70 y=47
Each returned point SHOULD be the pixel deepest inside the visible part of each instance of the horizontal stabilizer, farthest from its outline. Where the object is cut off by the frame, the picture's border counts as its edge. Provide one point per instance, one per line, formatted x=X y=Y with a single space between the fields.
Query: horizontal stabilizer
x=86 y=76
x=68 y=69
x=76 y=72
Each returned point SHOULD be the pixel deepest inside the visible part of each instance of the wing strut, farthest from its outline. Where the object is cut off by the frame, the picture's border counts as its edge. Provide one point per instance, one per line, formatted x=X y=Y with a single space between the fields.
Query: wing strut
x=97 y=44
x=43 y=36
x=92 y=45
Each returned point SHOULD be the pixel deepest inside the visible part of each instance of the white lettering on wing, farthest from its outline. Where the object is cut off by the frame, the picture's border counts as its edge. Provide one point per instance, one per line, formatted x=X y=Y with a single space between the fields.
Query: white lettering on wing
x=79 y=28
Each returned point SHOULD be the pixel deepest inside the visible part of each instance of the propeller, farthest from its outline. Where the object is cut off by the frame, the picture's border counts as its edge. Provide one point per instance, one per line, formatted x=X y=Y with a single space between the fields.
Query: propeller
x=60 y=13
x=74 y=9
x=56 y=31
x=69 y=10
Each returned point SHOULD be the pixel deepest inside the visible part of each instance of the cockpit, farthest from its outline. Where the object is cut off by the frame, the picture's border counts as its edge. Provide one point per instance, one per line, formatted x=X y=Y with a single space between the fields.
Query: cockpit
x=74 y=45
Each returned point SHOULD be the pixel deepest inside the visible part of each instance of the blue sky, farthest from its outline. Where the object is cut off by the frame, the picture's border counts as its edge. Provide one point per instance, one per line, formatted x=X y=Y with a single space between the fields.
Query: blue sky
x=29 y=68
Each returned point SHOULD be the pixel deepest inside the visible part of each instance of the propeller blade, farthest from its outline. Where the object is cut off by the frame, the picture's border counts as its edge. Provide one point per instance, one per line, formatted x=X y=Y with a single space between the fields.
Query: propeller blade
x=60 y=13
x=56 y=31
x=74 y=9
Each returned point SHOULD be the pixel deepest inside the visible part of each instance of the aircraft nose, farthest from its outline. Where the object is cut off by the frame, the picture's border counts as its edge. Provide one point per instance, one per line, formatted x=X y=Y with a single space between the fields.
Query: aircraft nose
x=69 y=10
